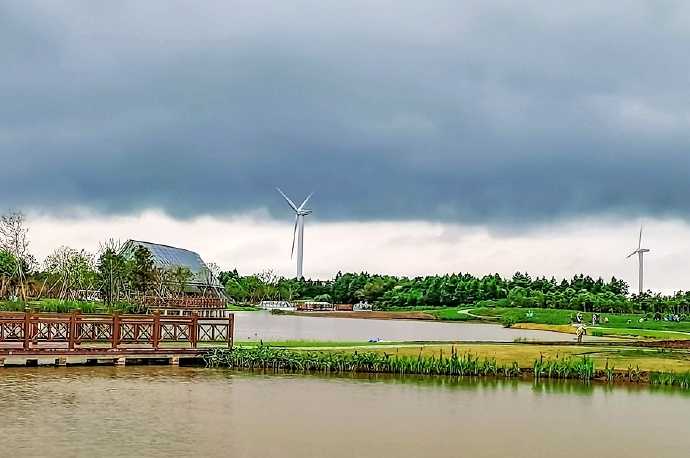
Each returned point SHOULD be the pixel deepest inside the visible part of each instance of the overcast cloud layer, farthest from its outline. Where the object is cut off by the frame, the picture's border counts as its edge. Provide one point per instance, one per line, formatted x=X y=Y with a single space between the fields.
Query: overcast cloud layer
x=482 y=112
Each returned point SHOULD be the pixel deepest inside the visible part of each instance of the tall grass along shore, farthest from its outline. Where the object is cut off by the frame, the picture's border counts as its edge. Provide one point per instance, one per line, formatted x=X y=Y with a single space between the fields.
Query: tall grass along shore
x=265 y=357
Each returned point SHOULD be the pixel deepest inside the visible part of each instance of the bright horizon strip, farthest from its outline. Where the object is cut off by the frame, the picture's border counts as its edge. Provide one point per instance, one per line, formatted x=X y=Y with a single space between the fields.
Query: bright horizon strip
x=254 y=242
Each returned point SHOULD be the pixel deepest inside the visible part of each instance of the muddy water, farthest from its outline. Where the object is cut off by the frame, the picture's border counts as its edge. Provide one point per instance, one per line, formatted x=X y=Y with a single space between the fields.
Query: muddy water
x=162 y=412
x=263 y=325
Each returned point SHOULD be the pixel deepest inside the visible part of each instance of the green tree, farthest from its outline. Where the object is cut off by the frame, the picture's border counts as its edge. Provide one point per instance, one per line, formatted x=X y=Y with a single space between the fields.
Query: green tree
x=113 y=273
x=180 y=277
x=8 y=263
x=143 y=273
x=72 y=272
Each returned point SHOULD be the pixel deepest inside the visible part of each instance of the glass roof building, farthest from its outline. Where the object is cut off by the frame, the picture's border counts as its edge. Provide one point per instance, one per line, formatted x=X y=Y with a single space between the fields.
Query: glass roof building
x=168 y=257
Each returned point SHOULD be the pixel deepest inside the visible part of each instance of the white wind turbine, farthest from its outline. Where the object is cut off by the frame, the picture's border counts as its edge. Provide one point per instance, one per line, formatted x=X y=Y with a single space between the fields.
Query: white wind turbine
x=640 y=254
x=300 y=213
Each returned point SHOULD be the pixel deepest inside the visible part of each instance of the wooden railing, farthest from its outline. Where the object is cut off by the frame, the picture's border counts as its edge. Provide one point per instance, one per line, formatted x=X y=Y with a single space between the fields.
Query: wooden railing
x=186 y=302
x=74 y=330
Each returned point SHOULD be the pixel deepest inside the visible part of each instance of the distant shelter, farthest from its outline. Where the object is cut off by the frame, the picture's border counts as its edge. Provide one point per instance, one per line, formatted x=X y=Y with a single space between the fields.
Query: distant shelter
x=362 y=307
x=314 y=306
x=276 y=305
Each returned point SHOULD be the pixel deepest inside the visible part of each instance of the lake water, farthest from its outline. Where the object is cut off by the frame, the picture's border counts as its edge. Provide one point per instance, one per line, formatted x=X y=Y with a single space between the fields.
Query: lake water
x=264 y=325
x=164 y=411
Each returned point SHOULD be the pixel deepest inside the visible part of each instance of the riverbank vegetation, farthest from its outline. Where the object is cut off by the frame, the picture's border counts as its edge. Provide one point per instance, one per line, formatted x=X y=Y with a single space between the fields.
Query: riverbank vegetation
x=621 y=355
x=66 y=306
x=451 y=363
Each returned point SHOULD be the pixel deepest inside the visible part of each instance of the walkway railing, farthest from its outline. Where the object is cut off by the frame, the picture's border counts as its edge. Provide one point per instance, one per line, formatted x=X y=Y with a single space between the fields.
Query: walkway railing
x=187 y=302
x=74 y=330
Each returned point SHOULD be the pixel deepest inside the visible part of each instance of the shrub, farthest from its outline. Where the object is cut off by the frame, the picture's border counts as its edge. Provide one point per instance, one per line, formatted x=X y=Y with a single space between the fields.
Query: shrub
x=508 y=321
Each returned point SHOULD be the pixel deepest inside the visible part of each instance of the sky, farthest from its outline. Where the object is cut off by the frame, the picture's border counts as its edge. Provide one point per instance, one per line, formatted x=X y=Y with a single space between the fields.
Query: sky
x=474 y=136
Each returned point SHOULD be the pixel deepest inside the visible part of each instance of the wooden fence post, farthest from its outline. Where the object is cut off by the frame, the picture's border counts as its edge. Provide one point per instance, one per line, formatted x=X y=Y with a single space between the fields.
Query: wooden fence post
x=193 y=327
x=77 y=327
x=27 y=328
x=231 y=329
x=115 y=335
x=72 y=331
x=156 y=331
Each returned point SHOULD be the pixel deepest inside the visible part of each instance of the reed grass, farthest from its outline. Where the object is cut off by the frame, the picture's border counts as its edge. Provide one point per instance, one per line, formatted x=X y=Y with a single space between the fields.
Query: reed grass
x=565 y=368
x=266 y=357
x=448 y=363
x=681 y=380
x=453 y=364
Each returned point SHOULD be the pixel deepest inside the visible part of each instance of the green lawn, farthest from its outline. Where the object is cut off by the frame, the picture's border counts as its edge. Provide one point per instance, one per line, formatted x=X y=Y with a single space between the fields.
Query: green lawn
x=617 y=325
x=453 y=314
x=241 y=308
x=551 y=316
x=646 y=333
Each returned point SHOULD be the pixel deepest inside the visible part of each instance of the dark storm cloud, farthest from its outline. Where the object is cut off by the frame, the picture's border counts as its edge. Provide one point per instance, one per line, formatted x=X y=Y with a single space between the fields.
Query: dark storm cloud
x=472 y=111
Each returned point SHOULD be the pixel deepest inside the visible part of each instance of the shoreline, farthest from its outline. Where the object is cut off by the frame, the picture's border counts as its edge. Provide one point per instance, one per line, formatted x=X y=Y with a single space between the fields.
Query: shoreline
x=372 y=315
x=654 y=363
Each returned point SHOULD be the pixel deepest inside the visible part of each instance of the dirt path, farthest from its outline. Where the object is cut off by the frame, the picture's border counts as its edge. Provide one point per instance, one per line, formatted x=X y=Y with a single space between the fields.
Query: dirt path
x=469 y=313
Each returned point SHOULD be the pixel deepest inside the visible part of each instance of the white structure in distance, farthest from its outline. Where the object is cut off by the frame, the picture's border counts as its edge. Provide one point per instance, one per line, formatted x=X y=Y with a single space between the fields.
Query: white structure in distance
x=362 y=307
x=277 y=305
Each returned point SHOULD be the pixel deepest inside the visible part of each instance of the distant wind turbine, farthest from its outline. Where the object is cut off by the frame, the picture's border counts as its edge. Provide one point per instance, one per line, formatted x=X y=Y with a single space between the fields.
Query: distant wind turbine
x=300 y=213
x=640 y=254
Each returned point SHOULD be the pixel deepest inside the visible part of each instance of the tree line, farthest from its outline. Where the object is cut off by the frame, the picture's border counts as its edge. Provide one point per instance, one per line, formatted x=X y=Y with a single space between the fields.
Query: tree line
x=581 y=292
x=110 y=275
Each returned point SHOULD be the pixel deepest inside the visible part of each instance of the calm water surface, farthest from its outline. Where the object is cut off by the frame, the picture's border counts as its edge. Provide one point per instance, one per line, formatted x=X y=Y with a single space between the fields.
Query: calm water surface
x=163 y=412
x=263 y=325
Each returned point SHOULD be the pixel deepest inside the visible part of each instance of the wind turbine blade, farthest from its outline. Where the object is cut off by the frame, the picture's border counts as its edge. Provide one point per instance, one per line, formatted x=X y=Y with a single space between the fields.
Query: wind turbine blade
x=631 y=254
x=301 y=207
x=290 y=203
x=639 y=243
x=294 y=235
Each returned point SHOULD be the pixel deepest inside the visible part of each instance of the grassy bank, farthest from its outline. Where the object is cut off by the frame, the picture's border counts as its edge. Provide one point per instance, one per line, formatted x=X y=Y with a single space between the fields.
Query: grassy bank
x=454 y=362
x=551 y=316
x=619 y=356
x=601 y=331
x=241 y=308
x=618 y=325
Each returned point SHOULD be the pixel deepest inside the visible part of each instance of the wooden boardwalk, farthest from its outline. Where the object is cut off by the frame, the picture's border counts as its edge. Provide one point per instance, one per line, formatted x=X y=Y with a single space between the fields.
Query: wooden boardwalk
x=69 y=339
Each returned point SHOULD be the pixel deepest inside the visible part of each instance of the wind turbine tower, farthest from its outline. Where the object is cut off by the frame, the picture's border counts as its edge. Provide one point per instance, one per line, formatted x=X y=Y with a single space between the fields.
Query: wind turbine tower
x=298 y=232
x=640 y=255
